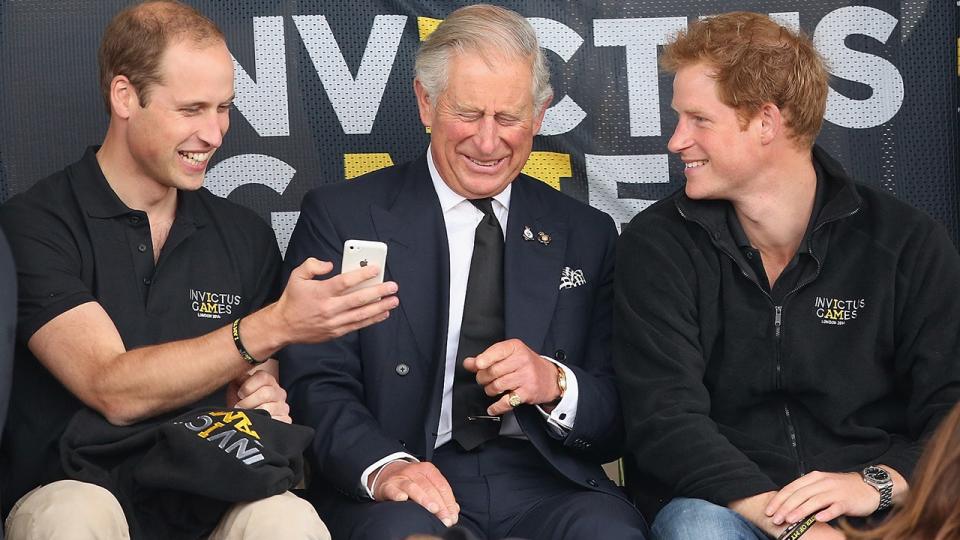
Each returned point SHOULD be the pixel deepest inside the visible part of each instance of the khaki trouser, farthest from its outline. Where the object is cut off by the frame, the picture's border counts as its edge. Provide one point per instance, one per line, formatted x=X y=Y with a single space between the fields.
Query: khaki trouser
x=69 y=509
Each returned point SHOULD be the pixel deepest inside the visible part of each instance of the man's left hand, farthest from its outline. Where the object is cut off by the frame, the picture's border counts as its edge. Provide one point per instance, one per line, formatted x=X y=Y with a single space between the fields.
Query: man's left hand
x=512 y=367
x=259 y=389
x=829 y=494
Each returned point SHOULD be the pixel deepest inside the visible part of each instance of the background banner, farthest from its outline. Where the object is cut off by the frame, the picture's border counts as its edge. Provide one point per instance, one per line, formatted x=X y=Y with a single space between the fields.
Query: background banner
x=324 y=93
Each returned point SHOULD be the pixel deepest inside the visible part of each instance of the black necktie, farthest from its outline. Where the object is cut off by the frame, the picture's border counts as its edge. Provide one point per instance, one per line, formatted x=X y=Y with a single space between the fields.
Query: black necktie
x=482 y=327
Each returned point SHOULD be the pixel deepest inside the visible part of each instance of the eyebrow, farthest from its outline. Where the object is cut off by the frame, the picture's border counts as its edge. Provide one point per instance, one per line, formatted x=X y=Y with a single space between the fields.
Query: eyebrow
x=204 y=103
x=462 y=108
x=693 y=112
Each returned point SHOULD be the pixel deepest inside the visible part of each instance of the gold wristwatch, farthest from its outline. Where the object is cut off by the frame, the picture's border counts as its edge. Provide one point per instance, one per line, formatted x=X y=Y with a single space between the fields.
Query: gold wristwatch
x=561 y=381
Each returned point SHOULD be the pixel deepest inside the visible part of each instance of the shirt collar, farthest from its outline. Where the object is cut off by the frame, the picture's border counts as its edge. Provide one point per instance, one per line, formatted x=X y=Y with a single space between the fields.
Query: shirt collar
x=740 y=237
x=100 y=200
x=449 y=198
x=94 y=192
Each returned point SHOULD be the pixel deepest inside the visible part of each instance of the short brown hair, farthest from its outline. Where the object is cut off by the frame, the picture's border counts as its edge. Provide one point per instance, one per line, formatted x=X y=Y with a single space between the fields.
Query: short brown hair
x=757 y=61
x=135 y=39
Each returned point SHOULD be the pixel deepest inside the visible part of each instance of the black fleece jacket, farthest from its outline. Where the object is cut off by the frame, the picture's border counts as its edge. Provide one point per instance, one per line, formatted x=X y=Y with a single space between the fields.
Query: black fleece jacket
x=728 y=394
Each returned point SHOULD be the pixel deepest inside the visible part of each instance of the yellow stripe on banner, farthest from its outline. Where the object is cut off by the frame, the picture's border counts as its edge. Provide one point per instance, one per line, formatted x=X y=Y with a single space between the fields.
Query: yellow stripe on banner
x=355 y=165
x=426 y=26
x=548 y=167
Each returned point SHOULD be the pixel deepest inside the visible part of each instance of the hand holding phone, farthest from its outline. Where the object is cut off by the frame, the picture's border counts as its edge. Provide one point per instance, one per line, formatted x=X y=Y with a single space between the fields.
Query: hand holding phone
x=360 y=254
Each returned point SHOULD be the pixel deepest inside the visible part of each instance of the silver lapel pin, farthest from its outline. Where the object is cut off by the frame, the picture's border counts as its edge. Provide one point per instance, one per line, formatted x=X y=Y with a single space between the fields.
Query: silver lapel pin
x=527 y=233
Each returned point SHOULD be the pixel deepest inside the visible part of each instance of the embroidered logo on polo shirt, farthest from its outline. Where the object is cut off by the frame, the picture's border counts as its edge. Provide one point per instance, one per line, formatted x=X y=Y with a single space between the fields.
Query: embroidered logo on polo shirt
x=232 y=431
x=213 y=305
x=837 y=311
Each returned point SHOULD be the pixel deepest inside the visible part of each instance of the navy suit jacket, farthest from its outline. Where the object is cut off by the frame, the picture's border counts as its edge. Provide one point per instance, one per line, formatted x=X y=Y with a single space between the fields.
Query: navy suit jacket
x=378 y=390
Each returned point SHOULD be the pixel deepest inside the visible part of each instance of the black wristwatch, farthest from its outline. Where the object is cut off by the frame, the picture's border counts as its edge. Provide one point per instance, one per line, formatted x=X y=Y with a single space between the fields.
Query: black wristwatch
x=880 y=480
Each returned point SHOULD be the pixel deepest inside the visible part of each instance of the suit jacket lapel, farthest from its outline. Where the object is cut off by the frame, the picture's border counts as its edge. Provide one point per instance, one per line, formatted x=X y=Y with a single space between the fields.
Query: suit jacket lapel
x=532 y=268
x=421 y=268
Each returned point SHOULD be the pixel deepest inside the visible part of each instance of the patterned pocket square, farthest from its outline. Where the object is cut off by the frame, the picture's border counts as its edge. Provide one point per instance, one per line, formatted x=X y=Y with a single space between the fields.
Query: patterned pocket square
x=570 y=278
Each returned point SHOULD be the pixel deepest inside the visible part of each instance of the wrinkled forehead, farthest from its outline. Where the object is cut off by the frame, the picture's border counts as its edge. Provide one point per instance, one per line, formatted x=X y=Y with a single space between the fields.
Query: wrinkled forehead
x=475 y=82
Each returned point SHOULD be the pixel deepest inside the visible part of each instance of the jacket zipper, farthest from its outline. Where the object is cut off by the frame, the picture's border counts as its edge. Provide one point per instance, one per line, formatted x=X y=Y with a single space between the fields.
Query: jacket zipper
x=778 y=328
x=778 y=318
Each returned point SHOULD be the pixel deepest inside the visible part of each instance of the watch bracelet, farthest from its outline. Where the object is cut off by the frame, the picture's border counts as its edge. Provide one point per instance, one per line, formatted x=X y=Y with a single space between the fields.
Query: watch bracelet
x=886 y=498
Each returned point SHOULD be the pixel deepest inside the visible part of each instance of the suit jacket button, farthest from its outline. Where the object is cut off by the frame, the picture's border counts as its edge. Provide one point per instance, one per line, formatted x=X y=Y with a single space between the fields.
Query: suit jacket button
x=402 y=369
x=560 y=355
x=593 y=483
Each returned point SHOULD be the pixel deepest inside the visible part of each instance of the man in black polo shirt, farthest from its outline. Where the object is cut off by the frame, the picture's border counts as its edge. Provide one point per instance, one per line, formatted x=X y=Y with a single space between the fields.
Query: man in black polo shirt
x=131 y=275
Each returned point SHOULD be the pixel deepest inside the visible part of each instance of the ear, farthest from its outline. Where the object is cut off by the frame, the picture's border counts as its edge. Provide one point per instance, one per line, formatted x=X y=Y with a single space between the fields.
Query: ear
x=423 y=103
x=771 y=122
x=123 y=97
x=538 y=120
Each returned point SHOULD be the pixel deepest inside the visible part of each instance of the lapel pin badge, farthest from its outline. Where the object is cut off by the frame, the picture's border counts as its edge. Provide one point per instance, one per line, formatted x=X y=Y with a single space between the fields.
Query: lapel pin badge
x=543 y=238
x=527 y=233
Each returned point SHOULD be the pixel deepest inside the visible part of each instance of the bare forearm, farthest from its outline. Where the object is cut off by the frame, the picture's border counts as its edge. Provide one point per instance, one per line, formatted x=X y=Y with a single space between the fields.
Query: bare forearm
x=83 y=349
x=144 y=382
x=129 y=386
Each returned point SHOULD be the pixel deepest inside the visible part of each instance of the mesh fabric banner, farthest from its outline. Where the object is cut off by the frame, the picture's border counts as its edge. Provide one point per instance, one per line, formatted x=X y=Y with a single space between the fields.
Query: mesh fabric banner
x=324 y=93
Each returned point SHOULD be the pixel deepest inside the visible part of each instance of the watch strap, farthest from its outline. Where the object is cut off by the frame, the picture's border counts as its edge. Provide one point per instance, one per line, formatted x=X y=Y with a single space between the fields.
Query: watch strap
x=884 y=487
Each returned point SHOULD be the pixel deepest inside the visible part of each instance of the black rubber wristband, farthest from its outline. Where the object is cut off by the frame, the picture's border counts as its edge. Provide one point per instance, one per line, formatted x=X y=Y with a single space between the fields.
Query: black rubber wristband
x=240 y=348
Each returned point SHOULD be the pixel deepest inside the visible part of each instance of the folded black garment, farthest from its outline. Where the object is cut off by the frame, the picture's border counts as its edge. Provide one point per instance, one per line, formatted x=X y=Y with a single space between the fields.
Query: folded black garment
x=176 y=476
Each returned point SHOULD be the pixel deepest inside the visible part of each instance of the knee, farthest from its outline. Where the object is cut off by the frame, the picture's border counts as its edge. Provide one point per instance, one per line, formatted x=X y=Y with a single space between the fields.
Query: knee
x=280 y=516
x=697 y=518
x=614 y=519
x=396 y=520
x=67 y=508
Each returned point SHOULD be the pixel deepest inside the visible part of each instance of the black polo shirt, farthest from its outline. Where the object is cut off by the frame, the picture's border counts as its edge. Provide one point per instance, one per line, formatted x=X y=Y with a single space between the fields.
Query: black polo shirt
x=74 y=242
x=802 y=259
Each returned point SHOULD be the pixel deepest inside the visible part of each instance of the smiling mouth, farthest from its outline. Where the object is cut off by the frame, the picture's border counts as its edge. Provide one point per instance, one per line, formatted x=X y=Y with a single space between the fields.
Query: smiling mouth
x=490 y=163
x=195 y=158
x=695 y=164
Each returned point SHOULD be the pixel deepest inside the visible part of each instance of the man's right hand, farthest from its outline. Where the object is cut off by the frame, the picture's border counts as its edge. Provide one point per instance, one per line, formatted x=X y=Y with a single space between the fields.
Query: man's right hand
x=315 y=311
x=421 y=483
x=753 y=508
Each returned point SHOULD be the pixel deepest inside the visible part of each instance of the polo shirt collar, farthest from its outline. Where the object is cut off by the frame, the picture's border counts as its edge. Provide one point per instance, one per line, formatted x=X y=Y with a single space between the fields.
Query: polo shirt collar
x=100 y=201
x=740 y=237
x=96 y=196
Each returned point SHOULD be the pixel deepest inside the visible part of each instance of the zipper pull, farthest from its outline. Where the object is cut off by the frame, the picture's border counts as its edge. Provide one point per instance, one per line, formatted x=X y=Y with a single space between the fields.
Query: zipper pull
x=778 y=320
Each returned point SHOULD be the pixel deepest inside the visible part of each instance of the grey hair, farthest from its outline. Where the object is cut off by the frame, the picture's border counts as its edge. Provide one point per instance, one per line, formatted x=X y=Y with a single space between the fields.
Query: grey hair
x=482 y=29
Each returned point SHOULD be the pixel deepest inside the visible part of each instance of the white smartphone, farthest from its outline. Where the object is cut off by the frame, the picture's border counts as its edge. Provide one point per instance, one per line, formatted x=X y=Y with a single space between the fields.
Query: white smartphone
x=362 y=253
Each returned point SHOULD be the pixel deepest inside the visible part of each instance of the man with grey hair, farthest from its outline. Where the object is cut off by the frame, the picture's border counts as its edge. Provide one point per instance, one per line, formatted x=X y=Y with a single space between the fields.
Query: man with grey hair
x=488 y=399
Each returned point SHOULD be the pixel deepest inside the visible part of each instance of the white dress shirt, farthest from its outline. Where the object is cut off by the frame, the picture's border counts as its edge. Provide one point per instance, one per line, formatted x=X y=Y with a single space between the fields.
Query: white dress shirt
x=461 y=219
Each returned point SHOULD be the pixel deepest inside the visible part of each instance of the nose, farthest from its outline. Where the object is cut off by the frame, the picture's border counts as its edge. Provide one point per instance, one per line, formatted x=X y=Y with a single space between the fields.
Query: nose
x=680 y=138
x=487 y=137
x=214 y=127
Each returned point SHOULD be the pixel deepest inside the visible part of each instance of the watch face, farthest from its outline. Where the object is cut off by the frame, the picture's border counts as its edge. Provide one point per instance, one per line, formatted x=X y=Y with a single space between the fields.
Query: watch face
x=876 y=474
